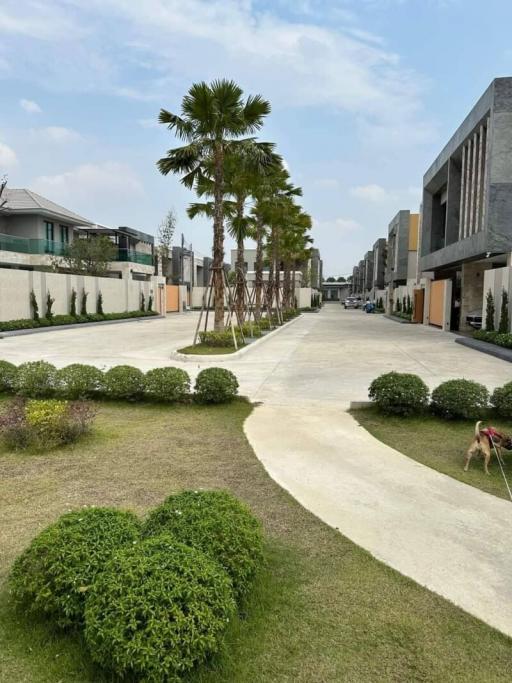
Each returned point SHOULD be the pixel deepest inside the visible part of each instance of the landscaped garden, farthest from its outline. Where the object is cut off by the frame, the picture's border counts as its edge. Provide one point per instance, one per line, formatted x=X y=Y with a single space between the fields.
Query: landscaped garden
x=315 y=608
x=436 y=428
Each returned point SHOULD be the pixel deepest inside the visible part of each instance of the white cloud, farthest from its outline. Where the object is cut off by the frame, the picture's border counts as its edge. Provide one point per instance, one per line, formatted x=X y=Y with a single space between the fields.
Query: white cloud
x=57 y=134
x=337 y=226
x=30 y=106
x=93 y=187
x=8 y=157
x=371 y=193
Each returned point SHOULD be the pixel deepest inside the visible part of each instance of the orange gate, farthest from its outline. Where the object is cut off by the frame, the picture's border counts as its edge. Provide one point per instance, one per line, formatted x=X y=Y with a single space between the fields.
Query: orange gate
x=173 y=298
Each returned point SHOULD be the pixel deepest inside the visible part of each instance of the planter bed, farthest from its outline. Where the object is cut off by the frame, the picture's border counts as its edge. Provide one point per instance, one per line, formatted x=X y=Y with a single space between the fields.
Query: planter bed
x=86 y=321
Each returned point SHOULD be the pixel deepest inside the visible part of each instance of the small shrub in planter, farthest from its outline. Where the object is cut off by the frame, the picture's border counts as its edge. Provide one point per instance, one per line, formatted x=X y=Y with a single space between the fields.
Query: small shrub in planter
x=264 y=324
x=124 y=382
x=215 y=385
x=7 y=375
x=501 y=400
x=222 y=339
x=79 y=381
x=157 y=610
x=53 y=575
x=167 y=384
x=216 y=523
x=460 y=399
x=503 y=339
x=36 y=379
x=399 y=393
x=44 y=424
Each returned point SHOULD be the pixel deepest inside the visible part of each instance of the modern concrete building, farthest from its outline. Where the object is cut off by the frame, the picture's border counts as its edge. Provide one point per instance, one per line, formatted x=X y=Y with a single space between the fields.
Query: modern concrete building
x=379 y=263
x=368 y=273
x=402 y=256
x=34 y=234
x=467 y=206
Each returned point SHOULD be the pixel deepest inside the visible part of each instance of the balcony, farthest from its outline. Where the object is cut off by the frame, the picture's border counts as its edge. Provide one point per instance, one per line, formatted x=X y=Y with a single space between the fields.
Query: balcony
x=28 y=245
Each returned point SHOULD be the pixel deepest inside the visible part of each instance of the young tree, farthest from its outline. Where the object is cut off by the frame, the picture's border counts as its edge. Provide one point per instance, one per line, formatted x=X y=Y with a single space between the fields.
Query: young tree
x=214 y=120
x=504 y=325
x=164 y=236
x=489 y=312
x=90 y=256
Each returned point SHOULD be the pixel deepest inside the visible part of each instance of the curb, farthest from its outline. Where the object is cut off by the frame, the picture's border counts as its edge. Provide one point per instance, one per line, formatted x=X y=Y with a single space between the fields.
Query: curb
x=74 y=326
x=398 y=320
x=358 y=405
x=486 y=347
x=219 y=358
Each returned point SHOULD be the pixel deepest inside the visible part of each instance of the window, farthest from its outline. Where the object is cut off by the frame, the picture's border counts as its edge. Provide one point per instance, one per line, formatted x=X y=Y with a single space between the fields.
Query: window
x=49 y=231
x=64 y=234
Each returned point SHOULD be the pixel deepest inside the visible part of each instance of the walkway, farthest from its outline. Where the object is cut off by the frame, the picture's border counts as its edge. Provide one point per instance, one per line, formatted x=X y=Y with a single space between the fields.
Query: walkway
x=450 y=537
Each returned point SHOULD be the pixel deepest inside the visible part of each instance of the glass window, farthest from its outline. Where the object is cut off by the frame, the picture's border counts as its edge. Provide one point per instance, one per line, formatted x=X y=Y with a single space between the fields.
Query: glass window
x=64 y=234
x=49 y=230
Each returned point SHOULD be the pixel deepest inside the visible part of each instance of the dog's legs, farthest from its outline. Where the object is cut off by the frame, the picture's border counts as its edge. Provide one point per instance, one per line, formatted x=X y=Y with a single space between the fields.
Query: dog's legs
x=474 y=447
x=486 y=450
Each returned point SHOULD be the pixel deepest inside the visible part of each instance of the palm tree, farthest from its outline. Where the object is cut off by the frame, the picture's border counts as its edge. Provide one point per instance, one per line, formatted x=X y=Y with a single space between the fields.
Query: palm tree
x=214 y=120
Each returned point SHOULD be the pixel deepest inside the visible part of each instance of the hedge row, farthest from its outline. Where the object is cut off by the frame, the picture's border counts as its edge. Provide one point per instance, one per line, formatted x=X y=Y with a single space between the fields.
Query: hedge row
x=406 y=394
x=39 y=379
x=249 y=330
x=153 y=598
x=498 y=338
x=56 y=320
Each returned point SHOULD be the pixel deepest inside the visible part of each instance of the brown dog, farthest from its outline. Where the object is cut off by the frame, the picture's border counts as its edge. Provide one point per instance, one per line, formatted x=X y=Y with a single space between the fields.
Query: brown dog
x=483 y=443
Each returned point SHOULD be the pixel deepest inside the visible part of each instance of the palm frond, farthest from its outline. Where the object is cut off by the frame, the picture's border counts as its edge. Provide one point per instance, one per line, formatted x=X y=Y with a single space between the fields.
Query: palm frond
x=182 y=128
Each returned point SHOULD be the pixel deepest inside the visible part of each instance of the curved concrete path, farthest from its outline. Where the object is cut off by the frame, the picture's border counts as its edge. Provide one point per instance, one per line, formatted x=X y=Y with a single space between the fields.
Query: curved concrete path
x=452 y=538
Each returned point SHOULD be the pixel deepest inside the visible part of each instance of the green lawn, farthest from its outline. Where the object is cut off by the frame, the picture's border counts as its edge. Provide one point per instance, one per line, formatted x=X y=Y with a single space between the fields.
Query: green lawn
x=204 y=350
x=440 y=444
x=322 y=609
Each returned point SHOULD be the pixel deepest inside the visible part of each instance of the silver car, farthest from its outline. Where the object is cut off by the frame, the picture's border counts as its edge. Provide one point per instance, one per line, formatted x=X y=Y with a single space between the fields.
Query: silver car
x=352 y=302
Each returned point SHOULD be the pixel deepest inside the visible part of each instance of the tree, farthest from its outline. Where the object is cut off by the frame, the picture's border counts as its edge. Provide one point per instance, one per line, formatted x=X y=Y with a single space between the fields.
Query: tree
x=341 y=279
x=90 y=255
x=3 y=185
x=164 y=236
x=489 y=312
x=214 y=120
x=331 y=279
x=504 y=325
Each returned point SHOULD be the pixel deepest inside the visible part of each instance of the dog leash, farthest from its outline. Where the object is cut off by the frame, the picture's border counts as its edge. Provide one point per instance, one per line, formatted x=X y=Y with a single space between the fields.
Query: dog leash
x=498 y=458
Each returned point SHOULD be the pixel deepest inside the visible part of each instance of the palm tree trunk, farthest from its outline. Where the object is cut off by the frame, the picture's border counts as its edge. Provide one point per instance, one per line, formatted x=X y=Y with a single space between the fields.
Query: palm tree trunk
x=218 y=239
x=240 y=270
x=259 y=269
x=293 y=283
x=286 y=284
x=275 y=258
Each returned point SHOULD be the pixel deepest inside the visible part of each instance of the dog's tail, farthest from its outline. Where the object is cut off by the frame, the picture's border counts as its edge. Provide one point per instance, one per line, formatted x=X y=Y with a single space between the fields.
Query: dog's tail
x=477 y=428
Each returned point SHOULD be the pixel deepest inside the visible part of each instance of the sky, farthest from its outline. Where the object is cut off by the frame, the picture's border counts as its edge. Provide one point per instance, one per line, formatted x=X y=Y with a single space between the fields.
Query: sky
x=364 y=95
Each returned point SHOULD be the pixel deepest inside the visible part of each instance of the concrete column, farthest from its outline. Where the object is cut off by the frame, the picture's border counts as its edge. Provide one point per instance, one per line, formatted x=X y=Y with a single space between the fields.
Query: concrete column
x=462 y=225
x=467 y=185
x=478 y=213
x=485 y=171
x=472 y=193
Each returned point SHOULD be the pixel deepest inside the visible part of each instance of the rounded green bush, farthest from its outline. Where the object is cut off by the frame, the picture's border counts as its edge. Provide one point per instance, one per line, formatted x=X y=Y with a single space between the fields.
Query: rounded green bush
x=52 y=576
x=501 y=400
x=216 y=523
x=157 y=610
x=7 y=375
x=124 y=382
x=460 y=399
x=36 y=379
x=399 y=393
x=167 y=384
x=79 y=381
x=215 y=385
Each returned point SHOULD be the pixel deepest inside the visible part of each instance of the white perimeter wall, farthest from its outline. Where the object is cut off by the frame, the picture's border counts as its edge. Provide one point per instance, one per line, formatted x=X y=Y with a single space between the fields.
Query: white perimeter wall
x=119 y=295
x=497 y=280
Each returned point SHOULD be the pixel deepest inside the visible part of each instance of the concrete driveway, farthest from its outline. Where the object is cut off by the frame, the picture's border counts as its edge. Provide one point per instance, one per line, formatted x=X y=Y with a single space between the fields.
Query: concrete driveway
x=450 y=537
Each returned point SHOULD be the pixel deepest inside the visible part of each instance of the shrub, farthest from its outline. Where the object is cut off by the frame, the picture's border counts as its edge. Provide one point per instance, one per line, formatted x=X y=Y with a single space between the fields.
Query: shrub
x=7 y=375
x=489 y=311
x=504 y=324
x=399 y=393
x=124 y=382
x=157 y=610
x=36 y=379
x=167 y=384
x=34 y=306
x=79 y=381
x=150 y=304
x=72 y=304
x=52 y=576
x=99 y=304
x=486 y=335
x=49 y=303
x=142 y=302
x=216 y=523
x=223 y=339
x=83 y=302
x=249 y=330
x=501 y=400
x=460 y=399
x=44 y=423
x=215 y=385
x=63 y=320
x=264 y=324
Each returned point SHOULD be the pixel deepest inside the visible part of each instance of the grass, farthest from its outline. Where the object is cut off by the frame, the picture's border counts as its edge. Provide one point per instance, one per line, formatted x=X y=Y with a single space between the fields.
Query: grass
x=440 y=444
x=204 y=350
x=322 y=609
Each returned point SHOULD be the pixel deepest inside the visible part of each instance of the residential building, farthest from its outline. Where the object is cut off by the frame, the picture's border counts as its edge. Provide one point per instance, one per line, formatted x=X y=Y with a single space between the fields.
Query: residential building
x=401 y=274
x=34 y=233
x=467 y=210
x=379 y=263
x=335 y=291
x=368 y=273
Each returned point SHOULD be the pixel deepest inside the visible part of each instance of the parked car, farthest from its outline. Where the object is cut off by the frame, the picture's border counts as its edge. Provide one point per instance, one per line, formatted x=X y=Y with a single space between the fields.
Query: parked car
x=352 y=302
x=474 y=319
